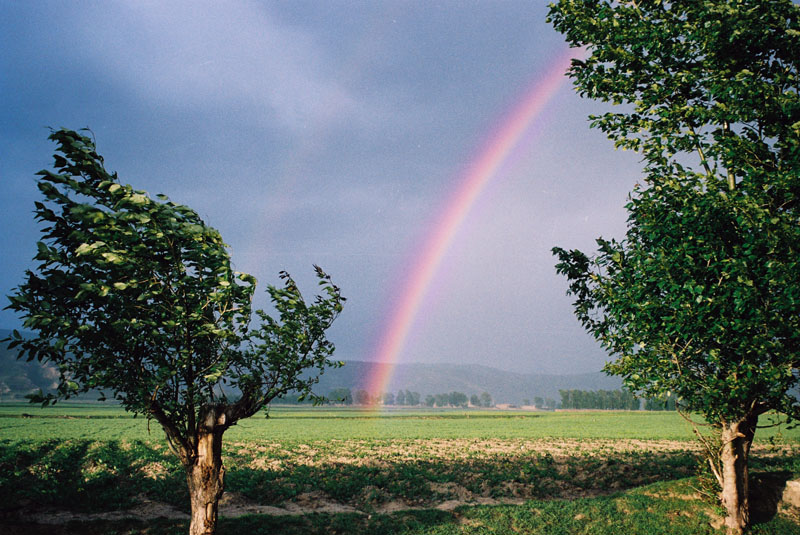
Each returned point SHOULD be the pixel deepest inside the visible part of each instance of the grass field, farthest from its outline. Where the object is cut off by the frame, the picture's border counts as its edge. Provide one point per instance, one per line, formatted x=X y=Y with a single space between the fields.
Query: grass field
x=74 y=468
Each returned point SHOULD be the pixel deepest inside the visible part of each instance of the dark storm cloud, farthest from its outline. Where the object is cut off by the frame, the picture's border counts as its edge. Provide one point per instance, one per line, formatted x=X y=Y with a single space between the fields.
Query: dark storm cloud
x=329 y=133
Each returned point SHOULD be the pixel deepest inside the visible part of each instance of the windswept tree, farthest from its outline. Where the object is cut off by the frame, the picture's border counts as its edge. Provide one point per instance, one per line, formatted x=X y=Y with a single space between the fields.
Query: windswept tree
x=136 y=297
x=701 y=298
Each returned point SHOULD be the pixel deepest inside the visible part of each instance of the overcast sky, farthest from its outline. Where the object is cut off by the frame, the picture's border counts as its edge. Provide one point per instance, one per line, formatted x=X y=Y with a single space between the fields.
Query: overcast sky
x=331 y=133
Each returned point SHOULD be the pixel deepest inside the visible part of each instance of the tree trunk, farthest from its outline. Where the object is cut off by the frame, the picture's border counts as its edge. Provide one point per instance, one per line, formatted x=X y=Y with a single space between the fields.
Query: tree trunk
x=736 y=440
x=205 y=479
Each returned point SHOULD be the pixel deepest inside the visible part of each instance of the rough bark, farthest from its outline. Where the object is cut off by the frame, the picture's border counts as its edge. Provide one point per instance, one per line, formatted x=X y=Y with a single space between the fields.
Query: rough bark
x=737 y=438
x=205 y=475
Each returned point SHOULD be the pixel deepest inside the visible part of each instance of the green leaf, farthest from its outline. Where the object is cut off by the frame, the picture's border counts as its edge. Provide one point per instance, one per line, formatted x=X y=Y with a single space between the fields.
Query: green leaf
x=138 y=199
x=83 y=248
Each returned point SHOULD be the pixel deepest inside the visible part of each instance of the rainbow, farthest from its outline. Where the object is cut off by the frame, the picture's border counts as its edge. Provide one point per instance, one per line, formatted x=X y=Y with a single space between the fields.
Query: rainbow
x=478 y=174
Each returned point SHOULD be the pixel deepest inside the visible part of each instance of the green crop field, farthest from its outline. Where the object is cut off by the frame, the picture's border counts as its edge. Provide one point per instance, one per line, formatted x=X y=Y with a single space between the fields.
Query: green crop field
x=96 y=469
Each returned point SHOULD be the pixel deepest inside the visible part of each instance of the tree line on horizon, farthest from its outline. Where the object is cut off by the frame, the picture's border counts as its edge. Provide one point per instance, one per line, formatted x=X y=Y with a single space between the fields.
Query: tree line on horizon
x=575 y=399
x=408 y=398
x=599 y=399
x=622 y=399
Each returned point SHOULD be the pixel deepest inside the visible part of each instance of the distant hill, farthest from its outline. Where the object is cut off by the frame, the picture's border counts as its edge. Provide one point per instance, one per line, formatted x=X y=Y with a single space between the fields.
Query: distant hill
x=18 y=378
x=504 y=386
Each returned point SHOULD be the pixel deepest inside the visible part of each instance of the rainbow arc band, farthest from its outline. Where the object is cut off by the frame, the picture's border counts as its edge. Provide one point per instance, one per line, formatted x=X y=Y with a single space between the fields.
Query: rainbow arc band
x=496 y=151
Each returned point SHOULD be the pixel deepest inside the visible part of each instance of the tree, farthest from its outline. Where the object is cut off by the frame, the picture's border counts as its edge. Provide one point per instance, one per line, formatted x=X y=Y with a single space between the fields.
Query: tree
x=656 y=404
x=400 y=398
x=474 y=400
x=341 y=395
x=136 y=297
x=457 y=399
x=566 y=398
x=430 y=400
x=486 y=399
x=362 y=397
x=412 y=398
x=700 y=298
x=388 y=398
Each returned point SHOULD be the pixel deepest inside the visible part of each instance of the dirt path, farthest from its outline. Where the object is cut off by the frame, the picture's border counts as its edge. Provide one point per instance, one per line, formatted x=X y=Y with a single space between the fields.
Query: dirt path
x=234 y=505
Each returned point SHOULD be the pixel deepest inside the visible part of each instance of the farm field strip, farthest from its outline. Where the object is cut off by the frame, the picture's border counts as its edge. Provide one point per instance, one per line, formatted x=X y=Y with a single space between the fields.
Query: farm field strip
x=365 y=475
x=308 y=425
x=104 y=465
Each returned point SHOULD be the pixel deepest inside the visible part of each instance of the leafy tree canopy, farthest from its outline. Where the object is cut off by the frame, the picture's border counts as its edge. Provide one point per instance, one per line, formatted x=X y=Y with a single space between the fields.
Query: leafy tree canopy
x=701 y=298
x=137 y=297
